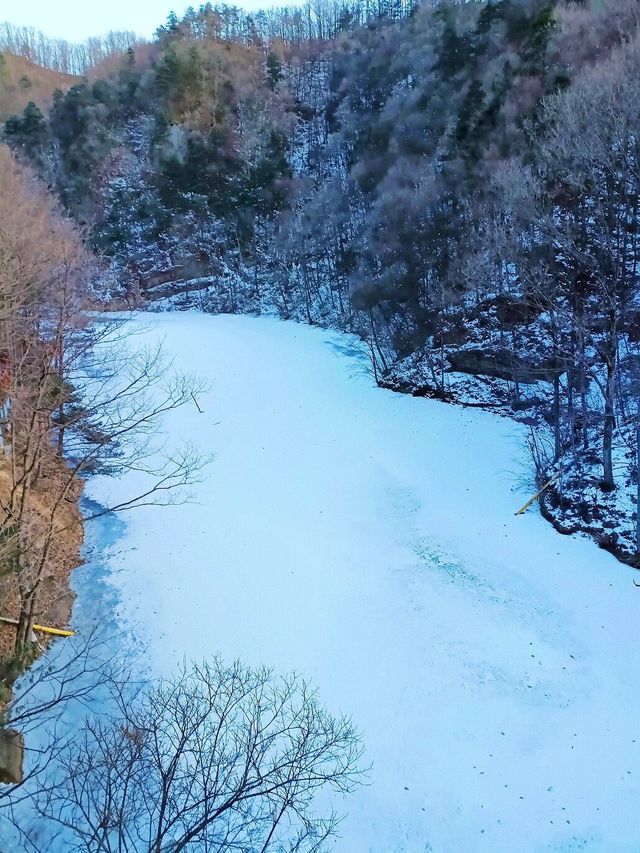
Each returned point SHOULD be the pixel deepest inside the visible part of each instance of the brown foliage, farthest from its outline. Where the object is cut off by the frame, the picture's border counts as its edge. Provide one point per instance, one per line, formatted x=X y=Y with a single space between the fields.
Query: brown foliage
x=22 y=80
x=43 y=265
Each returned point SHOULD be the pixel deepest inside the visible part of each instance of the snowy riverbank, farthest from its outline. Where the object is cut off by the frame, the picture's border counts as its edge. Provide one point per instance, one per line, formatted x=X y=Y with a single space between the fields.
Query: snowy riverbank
x=367 y=539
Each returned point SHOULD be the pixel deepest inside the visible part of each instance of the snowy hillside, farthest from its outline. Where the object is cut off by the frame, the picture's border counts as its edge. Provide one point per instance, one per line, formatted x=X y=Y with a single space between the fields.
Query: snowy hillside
x=368 y=540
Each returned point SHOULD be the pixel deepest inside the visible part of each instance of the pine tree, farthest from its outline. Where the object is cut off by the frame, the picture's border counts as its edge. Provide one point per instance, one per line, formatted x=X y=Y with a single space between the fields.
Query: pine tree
x=274 y=70
x=29 y=132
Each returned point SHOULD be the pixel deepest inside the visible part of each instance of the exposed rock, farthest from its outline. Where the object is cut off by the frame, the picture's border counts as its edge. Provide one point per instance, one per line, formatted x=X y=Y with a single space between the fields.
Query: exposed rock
x=633 y=326
x=512 y=311
x=60 y=610
x=11 y=756
x=156 y=277
x=406 y=386
x=502 y=364
x=179 y=286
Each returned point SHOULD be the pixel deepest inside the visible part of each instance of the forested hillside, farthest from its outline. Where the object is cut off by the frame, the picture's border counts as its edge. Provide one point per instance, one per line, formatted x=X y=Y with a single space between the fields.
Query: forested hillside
x=458 y=185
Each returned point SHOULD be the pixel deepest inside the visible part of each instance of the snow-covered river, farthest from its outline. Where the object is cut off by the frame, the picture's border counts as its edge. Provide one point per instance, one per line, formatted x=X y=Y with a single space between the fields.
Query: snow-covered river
x=368 y=540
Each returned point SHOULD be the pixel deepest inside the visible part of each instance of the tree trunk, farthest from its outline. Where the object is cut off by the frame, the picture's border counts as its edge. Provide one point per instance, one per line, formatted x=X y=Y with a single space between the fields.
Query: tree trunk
x=25 y=622
x=638 y=487
x=609 y=405
x=607 y=437
x=60 y=441
x=557 y=443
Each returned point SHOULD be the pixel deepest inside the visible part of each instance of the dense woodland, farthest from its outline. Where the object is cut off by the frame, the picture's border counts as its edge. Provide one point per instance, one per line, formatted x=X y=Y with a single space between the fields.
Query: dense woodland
x=458 y=185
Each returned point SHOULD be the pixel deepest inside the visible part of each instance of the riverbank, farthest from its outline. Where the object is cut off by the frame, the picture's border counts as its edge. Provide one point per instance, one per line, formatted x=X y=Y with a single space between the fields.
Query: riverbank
x=571 y=495
x=55 y=597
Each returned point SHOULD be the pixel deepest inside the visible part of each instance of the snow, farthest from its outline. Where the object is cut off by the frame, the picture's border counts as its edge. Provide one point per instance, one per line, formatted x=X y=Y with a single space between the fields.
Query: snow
x=368 y=540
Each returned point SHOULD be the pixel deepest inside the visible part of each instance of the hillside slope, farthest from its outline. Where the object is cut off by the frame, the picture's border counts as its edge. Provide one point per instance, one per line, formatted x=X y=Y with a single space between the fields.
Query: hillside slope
x=22 y=81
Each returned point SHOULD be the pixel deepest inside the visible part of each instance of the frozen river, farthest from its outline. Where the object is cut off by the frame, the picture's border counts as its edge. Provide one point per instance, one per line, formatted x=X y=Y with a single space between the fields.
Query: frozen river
x=368 y=541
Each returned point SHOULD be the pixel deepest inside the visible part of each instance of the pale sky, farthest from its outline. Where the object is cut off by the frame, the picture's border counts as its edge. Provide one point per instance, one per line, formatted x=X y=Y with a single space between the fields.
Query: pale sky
x=76 y=20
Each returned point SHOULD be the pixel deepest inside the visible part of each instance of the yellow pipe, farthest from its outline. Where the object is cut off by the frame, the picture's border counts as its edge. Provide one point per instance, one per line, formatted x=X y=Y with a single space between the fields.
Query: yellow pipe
x=57 y=631
x=524 y=508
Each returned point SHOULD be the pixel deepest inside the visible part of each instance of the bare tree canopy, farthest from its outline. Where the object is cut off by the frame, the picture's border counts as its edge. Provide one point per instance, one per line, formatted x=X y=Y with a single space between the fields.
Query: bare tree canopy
x=59 y=54
x=217 y=758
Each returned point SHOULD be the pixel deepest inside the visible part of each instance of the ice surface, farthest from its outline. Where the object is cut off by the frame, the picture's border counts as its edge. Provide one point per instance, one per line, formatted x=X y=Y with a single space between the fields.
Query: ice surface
x=368 y=540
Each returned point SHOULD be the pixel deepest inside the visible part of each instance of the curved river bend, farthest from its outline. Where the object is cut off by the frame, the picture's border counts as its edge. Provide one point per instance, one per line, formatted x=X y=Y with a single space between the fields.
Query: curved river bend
x=368 y=540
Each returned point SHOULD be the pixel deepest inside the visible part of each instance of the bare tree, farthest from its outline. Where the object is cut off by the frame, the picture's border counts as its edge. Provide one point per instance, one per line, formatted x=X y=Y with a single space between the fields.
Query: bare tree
x=592 y=152
x=74 y=382
x=61 y=55
x=218 y=758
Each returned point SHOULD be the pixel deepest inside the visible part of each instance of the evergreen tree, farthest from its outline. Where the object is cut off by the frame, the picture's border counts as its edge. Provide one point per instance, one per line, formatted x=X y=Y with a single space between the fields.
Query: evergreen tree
x=274 y=70
x=29 y=132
